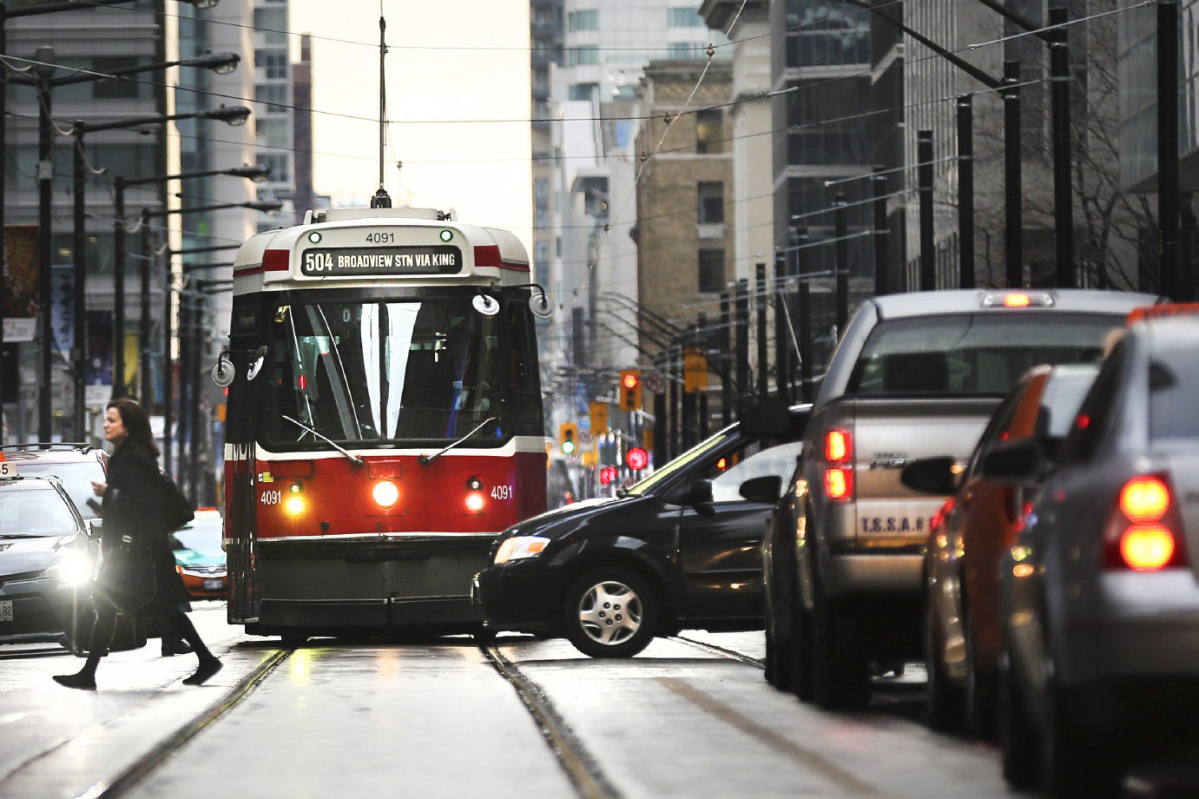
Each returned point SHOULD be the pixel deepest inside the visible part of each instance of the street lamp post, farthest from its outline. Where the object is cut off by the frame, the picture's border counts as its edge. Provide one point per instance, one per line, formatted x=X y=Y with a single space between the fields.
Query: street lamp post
x=255 y=172
x=44 y=82
x=235 y=115
x=267 y=206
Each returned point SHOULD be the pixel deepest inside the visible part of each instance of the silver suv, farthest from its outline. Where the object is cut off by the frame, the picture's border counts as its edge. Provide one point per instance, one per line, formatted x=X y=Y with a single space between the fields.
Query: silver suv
x=915 y=375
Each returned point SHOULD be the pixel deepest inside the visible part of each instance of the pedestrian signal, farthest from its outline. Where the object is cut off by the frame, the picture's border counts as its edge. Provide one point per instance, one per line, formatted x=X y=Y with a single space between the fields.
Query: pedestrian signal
x=630 y=390
x=568 y=438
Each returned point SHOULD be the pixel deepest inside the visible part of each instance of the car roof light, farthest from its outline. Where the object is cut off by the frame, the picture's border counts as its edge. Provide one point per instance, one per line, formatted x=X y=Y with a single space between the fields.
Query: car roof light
x=1165 y=309
x=1017 y=299
x=1147 y=547
x=1145 y=499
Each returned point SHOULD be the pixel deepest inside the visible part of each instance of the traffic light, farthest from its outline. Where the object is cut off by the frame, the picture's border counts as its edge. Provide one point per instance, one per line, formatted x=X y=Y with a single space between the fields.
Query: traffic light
x=568 y=438
x=599 y=418
x=630 y=390
x=637 y=459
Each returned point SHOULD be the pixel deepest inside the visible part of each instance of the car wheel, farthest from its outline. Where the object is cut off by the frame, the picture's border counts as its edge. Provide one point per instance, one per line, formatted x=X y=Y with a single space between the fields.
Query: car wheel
x=981 y=690
x=779 y=641
x=1017 y=738
x=840 y=669
x=1073 y=762
x=610 y=613
x=802 y=668
x=943 y=708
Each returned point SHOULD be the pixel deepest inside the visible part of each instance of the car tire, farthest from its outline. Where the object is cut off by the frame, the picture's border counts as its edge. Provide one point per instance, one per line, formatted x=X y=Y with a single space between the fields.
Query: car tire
x=980 y=696
x=1018 y=741
x=779 y=634
x=943 y=699
x=840 y=669
x=802 y=667
x=1073 y=763
x=610 y=612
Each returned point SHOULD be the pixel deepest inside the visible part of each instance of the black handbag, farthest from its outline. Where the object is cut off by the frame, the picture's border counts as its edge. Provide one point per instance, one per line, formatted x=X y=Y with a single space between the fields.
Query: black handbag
x=177 y=509
x=128 y=579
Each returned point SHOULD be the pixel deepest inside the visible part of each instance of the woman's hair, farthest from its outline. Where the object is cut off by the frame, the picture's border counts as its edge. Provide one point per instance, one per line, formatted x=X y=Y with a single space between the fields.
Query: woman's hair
x=136 y=423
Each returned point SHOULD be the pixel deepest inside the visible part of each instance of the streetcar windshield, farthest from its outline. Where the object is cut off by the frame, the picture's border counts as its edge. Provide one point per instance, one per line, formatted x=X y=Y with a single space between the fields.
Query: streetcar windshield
x=428 y=369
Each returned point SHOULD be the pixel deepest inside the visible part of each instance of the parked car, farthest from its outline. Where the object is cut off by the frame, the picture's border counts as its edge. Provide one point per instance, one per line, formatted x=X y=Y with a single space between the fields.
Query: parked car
x=46 y=562
x=199 y=557
x=679 y=549
x=974 y=528
x=915 y=375
x=76 y=465
x=1099 y=597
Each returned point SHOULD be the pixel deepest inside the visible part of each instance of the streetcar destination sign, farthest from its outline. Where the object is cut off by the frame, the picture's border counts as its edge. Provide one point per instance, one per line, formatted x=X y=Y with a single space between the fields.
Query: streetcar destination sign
x=436 y=260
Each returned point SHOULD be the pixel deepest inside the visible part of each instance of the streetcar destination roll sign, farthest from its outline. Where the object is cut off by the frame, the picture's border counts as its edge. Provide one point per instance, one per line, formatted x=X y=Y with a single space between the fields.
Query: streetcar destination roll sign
x=437 y=260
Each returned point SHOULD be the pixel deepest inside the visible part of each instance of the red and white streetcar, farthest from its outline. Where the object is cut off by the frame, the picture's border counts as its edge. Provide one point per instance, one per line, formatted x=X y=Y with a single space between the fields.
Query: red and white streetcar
x=384 y=420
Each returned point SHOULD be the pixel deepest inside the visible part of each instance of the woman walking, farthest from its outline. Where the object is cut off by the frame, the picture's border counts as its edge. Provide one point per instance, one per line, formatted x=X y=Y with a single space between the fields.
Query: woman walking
x=132 y=507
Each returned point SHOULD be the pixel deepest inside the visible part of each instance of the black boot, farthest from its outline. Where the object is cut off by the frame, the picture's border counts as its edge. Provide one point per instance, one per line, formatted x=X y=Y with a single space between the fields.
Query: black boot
x=174 y=646
x=209 y=666
x=85 y=678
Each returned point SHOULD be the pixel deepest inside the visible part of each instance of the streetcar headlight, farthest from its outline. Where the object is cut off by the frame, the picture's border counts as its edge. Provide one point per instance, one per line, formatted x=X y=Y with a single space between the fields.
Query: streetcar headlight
x=522 y=546
x=385 y=493
x=293 y=505
x=474 y=502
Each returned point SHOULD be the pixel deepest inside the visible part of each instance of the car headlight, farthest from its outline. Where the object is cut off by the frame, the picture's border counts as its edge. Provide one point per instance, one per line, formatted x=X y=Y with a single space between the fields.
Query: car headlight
x=521 y=546
x=74 y=569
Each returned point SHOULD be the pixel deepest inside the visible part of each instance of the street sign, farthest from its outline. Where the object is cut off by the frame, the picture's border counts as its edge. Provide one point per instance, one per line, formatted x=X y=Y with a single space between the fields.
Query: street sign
x=654 y=383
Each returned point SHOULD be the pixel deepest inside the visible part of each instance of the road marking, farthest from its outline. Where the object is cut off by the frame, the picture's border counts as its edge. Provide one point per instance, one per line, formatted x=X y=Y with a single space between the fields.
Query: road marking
x=804 y=757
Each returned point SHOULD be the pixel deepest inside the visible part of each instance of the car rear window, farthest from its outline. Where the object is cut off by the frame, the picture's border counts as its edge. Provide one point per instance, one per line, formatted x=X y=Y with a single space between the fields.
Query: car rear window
x=972 y=353
x=34 y=514
x=1173 y=387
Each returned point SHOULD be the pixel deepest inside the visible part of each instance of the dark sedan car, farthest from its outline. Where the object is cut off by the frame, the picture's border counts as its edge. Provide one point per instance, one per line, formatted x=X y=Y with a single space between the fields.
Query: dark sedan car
x=679 y=549
x=1099 y=597
x=44 y=559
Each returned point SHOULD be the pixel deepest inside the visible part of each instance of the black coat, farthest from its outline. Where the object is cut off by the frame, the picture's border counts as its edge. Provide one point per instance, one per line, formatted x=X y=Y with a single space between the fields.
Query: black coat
x=132 y=506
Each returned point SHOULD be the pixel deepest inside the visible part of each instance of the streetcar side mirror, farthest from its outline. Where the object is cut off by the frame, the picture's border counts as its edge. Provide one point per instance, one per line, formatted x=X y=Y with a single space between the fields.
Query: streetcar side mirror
x=486 y=304
x=223 y=372
x=256 y=367
x=540 y=305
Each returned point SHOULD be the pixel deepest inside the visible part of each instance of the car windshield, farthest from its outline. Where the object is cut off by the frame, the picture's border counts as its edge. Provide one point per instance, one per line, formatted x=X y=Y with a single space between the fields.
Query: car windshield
x=75 y=477
x=429 y=369
x=202 y=535
x=681 y=462
x=974 y=353
x=30 y=513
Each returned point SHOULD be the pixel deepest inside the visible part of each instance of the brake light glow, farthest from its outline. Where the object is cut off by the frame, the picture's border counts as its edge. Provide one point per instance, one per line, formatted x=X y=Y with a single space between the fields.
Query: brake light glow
x=838 y=484
x=838 y=446
x=1016 y=301
x=1147 y=547
x=1144 y=499
x=1143 y=529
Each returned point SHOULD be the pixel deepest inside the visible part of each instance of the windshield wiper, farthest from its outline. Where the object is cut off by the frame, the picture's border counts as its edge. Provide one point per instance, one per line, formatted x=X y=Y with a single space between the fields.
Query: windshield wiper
x=428 y=458
x=354 y=459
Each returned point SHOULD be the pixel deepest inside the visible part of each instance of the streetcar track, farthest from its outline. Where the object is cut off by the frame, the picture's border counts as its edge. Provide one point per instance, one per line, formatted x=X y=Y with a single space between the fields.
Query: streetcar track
x=720 y=650
x=172 y=743
x=572 y=755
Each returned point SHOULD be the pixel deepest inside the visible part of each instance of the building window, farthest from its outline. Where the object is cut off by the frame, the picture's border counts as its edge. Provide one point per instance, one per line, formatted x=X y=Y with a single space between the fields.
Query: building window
x=582 y=20
x=274 y=95
x=711 y=271
x=711 y=203
x=587 y=55
x=684 y=18
x=280 y=167
x=273 y=62
x=709 y=132
x=685 y=50
x=584 y=91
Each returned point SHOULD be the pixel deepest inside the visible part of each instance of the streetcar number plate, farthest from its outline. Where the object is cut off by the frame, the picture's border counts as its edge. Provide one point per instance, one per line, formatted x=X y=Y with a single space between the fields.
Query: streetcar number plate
x=431 y=260
x=6 y=610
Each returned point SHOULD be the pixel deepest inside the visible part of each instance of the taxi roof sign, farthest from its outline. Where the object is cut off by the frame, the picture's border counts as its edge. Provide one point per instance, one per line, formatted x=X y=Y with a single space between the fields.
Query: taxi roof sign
x=1163 y=310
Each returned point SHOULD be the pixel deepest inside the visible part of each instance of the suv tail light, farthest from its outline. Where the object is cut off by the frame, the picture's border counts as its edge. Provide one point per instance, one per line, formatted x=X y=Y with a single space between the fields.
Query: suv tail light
x=838 y=477
x=1143 y=533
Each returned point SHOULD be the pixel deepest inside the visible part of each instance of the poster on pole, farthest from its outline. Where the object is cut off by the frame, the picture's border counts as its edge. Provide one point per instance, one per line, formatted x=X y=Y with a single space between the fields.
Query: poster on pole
x=98 y=375
x=21 y=278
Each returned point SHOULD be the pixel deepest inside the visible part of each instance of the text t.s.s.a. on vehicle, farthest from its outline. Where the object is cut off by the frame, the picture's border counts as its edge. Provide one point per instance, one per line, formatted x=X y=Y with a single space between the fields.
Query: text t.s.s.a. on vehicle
x=384 y=419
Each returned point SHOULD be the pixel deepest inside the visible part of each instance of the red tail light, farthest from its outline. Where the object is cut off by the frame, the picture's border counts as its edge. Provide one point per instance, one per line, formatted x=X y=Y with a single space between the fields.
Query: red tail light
x=1143 y=533
x=838 y=479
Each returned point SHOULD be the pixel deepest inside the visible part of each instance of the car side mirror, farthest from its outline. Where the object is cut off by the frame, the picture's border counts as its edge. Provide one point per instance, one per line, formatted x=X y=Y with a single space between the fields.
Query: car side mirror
x=1017 y=462
x=93 y=527
x=931 y=475
x=762 y=489
x=698 y=493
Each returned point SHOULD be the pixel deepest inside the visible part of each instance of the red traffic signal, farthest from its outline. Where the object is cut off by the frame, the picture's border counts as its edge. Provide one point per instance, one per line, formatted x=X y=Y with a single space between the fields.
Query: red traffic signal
x=636 y=458
x=630 y=390
x=607 y=475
